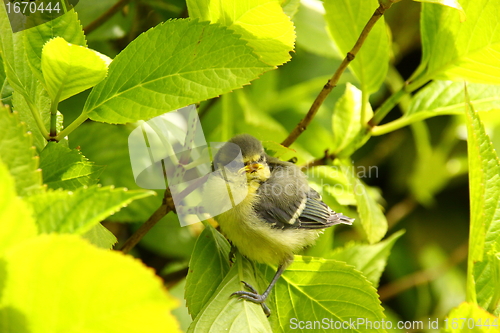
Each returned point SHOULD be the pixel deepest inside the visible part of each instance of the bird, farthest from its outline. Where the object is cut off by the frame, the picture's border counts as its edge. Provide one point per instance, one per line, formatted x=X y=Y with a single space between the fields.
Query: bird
x=278 y=213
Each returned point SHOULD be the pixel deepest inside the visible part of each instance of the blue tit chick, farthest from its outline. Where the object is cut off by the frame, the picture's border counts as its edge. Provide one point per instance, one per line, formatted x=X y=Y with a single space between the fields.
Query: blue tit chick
x=279 y=216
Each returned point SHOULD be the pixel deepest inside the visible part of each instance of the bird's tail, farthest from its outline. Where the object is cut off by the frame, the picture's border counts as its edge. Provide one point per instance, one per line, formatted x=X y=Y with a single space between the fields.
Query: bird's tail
x=338 y=218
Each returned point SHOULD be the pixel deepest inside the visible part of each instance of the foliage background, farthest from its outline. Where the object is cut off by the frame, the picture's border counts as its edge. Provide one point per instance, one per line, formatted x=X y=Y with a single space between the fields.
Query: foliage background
x=420 y=177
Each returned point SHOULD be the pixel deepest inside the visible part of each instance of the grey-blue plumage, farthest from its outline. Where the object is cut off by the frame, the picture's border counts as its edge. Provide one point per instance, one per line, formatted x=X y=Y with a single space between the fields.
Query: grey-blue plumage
x=280 y=214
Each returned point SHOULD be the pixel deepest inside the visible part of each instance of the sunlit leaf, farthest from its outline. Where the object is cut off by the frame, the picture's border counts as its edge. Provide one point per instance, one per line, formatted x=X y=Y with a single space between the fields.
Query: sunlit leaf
x=450 y=3
x=17 y=153
x=460 y=50
x=260 y=22
x=69 y=69
x=78 y=211
x=369 y=259
x=326 y=288
x=370 y=213
x=175 y=64
x=16 y=220
x=484 y=188
x=66 y=26
x=470 y=318
x=66 y=168
x=347 y=122
x=49 y=278
x=223 y=313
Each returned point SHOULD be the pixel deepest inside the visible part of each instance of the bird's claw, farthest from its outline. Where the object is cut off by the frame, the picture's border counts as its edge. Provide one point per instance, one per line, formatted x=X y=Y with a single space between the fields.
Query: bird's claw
x=253 y=296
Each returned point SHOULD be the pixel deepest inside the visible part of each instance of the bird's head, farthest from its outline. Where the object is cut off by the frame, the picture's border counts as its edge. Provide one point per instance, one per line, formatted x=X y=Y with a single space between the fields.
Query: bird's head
x=254 y=157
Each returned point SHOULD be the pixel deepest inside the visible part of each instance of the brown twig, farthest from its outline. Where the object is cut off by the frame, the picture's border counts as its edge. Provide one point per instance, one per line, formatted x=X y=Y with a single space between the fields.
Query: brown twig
x=319 y=161
x=427 y=275
x=105 y=16
x=332 y=83
x=166 y=207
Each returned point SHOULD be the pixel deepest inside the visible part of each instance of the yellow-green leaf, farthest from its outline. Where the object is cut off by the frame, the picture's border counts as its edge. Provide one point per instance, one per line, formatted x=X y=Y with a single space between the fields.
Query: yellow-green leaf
x=69 y=69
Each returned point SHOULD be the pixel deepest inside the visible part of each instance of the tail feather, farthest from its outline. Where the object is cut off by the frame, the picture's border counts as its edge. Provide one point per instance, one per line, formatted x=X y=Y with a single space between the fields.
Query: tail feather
x=339 y=218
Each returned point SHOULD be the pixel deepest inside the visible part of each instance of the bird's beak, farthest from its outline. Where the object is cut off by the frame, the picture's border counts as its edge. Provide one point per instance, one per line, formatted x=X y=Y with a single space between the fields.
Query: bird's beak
x=253 y=167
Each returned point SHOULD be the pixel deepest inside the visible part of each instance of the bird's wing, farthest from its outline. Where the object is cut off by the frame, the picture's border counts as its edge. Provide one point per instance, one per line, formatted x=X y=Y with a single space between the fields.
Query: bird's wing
x=317 y=214
x=287 y=201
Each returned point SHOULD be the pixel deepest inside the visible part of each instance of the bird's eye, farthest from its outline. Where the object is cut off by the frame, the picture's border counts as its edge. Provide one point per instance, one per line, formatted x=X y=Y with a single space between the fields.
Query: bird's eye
x=262 y=159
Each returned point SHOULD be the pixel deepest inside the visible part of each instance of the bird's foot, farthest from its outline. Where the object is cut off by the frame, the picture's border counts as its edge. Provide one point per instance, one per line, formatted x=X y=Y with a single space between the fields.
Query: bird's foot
x=253 y=296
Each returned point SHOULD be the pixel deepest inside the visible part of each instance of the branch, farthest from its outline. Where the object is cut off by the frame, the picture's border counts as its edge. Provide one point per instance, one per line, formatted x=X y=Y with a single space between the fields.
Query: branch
x=332 y=83
x=319 y=161
x=166 y=207
x=105 y=16
x=427 y=275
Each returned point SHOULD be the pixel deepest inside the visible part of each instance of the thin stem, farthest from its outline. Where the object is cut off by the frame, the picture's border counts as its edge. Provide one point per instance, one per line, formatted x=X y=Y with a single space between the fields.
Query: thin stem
x=166 y=207
x=53 y=118
x=400 y=123
x=332 y=83
x=105 y=16
x=387 y=106
x=143 y=230
x=38 y=120
x=71 y=127
x=394 y=82
x=319 y=161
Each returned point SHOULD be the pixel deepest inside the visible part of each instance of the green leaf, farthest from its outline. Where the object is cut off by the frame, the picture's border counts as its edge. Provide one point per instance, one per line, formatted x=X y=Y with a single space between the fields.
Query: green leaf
x=277 y=150
x=77 y=212
x=66 y=26
x=208 y=266
x=290 y=7
x=17 y=223
x=347 y=122
x=12 y=47
x=431 y=171
x=100 y=236
x=452 y=49
x=346 y=19
x=20 y=74
x=262 y=23
x=487 y=276
x=17 y=153
x=69 y=69
x=181 y=62
x=484 y=189
x=324 y=289
x=118 y=170
x=369 y=259
x=333 y=181
x=370 y=213
x=312 y=33
x=470 y=318
x=5 y=88
x=450 y=3
x=51 y=276
x=223 y=313
x=169 y=239
x=66 y=168
x=444 y=98
x=41 y=102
